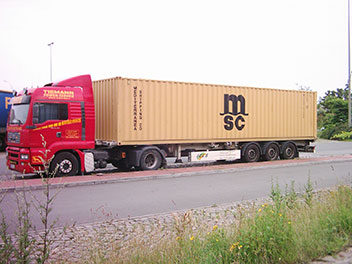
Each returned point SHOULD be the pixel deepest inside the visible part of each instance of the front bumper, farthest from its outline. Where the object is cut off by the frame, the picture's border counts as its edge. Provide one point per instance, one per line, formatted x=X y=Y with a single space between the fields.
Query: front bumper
x=18 y=159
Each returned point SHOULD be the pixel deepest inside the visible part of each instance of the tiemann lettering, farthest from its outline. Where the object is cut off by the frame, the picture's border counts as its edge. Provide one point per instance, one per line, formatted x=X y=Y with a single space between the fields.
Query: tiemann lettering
x=234 y=110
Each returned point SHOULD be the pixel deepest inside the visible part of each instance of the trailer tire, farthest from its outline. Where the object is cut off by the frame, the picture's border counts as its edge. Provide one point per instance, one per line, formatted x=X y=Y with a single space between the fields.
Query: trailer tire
x=271 y=152
x=67 y=164
x=150 y=160
x=252 y=153
x=288 y=151
x=2 y=143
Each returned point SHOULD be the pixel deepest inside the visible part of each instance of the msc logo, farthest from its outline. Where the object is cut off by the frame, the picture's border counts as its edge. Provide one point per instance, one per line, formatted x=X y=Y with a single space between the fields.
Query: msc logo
x=233 y=117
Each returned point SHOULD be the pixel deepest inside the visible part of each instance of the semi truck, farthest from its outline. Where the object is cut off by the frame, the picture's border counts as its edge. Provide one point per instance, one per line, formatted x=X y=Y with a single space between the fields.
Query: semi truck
x=137 y=123
x=5 y=97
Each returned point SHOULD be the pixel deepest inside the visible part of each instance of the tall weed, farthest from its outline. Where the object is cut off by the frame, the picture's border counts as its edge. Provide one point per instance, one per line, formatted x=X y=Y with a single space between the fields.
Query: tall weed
x=24 y=246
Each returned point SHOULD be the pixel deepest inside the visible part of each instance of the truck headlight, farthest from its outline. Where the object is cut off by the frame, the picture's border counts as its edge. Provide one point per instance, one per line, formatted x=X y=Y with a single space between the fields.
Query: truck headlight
x=24 y=156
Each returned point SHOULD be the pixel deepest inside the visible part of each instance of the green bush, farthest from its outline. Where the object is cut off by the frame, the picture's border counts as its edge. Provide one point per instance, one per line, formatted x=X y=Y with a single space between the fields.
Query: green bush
x=344 y=135
x=332 y=130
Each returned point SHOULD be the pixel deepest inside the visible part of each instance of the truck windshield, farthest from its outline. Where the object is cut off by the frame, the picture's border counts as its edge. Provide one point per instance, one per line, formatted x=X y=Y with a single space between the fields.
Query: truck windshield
x=18 y=114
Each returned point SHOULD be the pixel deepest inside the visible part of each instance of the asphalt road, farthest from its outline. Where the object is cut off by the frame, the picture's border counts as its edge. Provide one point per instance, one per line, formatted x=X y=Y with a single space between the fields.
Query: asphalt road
x=87 y=204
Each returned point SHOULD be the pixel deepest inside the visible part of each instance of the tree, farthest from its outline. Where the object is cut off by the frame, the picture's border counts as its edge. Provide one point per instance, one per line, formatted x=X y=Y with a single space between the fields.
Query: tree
x=333 y=113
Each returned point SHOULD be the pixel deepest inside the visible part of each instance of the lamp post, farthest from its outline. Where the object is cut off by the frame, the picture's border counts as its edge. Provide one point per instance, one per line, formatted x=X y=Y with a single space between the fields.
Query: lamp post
x=349 y=69
x=51 y=61
x=9 y=84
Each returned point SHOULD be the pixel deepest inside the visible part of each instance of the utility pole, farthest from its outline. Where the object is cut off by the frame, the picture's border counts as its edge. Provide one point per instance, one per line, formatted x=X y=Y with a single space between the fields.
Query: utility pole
x=349 y=69
x=51 y=61
x=9 y=84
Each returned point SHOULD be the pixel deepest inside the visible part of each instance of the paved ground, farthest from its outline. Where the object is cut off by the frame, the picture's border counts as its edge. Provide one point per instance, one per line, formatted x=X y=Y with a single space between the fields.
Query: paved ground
x=143 y=193
x=35 y=182
x=324 y=148
x=344 y=257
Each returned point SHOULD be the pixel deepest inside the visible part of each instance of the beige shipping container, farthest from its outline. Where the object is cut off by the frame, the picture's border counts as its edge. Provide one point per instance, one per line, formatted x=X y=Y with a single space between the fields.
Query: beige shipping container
x=146 y=112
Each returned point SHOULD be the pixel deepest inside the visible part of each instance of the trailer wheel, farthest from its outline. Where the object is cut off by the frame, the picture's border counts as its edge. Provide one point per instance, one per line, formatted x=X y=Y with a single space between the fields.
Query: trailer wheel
x=251 y=153
x=150 y=160
x=66 y=163
x=2 y=143
x=288 y=151
x=271 y=152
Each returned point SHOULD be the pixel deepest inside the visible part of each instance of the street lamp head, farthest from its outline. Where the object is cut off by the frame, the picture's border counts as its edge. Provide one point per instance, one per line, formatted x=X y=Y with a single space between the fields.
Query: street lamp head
x=51 y=62
x=8 y=83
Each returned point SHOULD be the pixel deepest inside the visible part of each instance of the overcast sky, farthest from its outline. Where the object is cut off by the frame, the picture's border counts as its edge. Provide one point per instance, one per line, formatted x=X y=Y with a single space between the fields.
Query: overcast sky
x=262 y=43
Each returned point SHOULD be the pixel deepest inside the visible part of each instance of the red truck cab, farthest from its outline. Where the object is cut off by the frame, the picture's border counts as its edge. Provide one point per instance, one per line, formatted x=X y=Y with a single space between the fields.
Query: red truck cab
x=52 y=123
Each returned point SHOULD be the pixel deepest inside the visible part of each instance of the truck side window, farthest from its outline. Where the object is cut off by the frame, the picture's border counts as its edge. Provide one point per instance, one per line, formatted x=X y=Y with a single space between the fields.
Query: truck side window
x=46 y=111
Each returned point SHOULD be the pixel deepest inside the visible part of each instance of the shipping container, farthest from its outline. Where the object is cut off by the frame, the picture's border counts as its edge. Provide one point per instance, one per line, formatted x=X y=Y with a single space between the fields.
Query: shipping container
x=136 y=111
x=5 y=97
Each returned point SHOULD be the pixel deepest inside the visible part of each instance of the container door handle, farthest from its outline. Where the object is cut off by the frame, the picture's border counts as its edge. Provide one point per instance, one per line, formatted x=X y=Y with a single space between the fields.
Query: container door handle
x=58 y=134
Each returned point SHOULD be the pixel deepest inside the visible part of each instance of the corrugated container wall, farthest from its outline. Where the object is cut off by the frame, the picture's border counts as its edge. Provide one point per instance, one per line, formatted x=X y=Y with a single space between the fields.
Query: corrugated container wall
x=135 y=112
x=5 y=97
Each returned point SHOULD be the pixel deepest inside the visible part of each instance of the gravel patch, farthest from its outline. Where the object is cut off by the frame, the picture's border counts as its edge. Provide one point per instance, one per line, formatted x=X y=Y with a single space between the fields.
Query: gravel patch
x=74 y=243
x=344 y=257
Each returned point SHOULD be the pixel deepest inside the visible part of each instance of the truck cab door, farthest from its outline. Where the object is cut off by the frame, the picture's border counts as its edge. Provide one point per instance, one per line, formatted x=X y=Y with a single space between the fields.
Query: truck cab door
x=47 y=122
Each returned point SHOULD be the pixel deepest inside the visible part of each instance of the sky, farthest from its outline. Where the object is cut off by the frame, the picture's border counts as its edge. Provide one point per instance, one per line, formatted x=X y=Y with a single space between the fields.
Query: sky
x=285 y=44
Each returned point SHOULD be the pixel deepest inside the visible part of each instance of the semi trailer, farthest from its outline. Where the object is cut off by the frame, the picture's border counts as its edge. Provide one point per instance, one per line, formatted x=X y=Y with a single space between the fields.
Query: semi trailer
x=5 y=97
x=139 y=123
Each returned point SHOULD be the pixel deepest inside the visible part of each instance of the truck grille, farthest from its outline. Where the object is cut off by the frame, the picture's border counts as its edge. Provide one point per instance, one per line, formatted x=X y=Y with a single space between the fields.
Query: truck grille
x=13 y=137
x=13 y=155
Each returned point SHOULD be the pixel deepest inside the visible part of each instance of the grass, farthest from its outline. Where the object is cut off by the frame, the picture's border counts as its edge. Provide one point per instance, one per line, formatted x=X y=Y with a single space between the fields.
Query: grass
x=289 y=229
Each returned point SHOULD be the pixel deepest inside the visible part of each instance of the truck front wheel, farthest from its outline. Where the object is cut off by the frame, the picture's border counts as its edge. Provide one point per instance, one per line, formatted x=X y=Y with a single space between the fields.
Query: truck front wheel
x=150 y=160
x=64 y=164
